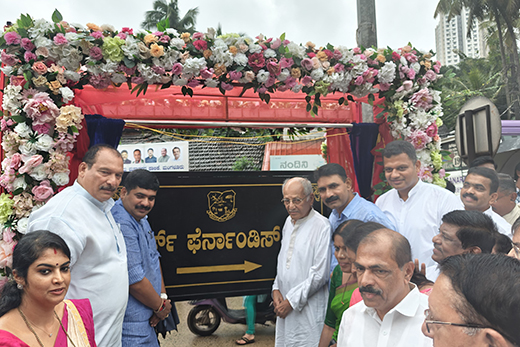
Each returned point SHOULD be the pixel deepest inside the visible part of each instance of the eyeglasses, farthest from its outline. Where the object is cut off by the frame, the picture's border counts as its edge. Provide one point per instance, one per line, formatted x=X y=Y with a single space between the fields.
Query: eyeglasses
x=295 y=201
x=428 y=322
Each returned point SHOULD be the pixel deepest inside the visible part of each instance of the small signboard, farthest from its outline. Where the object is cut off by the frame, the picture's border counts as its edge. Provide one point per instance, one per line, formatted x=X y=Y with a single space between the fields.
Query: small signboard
x=219 y=233
x=296 y=162
x=156 y=157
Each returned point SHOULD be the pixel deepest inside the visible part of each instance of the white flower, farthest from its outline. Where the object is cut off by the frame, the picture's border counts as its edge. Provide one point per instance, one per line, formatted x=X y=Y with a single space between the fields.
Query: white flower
x=262 y=76
x=27 y=148
x=7 y=70
x=283 y=75
x=42 y=41
x=72 y=37
x=177 y=43
x=67 y=94
x=387 y=73
x=118 y=78
x=171 y=31
x=19 y=182
x=22 y=224
x=297 y=88
x=317 y=74
x=61 y=178
x=211 y=33
x=269 y=53
x=416 y=67
x=180 y=82
x=131 y=48
x=108 y=27
x=40 y=27
x=39 y=173
x=23 y=130
x=211 y=83
x=296 y=50
x=241 y=59
x=72 y=75
x=11 y=101
x=194 y=65
x=254 y=48
x=44 y=143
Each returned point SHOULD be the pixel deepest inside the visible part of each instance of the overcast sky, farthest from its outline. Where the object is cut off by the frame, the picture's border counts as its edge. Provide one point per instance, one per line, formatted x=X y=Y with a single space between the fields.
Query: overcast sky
x=319 y=21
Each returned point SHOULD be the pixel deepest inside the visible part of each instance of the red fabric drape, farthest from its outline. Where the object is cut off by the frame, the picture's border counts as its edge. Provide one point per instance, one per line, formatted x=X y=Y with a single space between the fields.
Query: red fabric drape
x=76 y=155
x=339 y=152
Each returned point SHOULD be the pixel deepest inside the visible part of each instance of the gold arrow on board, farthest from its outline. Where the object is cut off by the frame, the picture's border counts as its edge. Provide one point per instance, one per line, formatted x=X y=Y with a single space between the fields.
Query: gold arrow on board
x=246 y=267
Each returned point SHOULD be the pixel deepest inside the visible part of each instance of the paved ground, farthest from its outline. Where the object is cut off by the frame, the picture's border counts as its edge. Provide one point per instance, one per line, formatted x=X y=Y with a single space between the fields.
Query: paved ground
x=225 y=335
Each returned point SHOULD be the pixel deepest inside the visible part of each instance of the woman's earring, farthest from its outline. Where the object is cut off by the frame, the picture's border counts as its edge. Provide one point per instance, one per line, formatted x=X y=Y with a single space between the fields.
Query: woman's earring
x=19 y=286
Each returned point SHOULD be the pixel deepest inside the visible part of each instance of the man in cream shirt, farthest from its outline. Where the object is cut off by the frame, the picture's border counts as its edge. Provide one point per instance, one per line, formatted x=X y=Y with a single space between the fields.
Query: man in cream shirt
x=81 y=215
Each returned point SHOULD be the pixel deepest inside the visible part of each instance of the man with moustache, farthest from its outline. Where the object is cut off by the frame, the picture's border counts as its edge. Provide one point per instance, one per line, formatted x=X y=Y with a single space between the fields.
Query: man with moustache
x=505 y=204
x=415 y=206
x=81 y=215
x=479 y=192
x=164 y=156
x=335 y=190
x=300 y=288
x=392 y=310
x=148 y=302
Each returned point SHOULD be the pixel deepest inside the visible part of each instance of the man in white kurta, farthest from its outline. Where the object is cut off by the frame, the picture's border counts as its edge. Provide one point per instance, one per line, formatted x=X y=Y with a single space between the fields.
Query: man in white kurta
x=81 y=215
x=416 y=207
x=300 y=287
x=392 y=311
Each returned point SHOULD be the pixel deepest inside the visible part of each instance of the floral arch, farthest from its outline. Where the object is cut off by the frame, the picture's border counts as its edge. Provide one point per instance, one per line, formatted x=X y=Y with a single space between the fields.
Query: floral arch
x=44 y=63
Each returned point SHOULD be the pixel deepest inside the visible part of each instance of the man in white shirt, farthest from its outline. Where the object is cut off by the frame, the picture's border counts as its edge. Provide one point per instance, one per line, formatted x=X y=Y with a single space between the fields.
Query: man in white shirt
x=300 y=288
x=81 y=215
x=415 y=206
x=479 y=192
x=392 y=310
x=505 y=204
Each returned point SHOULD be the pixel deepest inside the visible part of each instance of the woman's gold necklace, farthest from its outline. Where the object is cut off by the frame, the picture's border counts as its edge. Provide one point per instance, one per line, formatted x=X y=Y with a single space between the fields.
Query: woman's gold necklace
x=32 y=329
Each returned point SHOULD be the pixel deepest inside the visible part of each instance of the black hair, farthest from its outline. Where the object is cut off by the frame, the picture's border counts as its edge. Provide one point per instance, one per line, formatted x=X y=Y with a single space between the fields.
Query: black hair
x=141 y=178
x=517 y=168
x=354 y=239
x=502 y=244
x=450 y=186
x=124 y=151
x=173 y=149
x=331 y=169
x=346 y=228
x=488 y=288
x=487 y=173
x=419 y=279
x=150 y=149
x=26 y=252
x=91 y=156
x=485 y=159
x=476 y=229
x=401 y=250
x=137 y=150
x=506 y=183
x=399 y=147
x=515 y=226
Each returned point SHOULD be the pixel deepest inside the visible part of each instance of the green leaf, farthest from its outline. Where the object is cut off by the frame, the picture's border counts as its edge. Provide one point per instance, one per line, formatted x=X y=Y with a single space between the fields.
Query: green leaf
x=74 y=129
x=246 y=87
x=315 y=109
x=19 y=119
x=309 y=107
x=341 y=100
x=350 y=98
x=371 y=99
x=128 y=63
x=380 y=115
x=190 y=92
x=163 y=24
x=183 y=90
x=308 y=98
x=56 y=16
x=18 y=191
x=282 y=37
x=267 y=98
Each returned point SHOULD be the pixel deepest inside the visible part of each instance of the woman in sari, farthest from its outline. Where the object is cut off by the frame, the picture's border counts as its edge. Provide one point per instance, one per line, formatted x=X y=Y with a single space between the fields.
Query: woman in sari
x=33 y=311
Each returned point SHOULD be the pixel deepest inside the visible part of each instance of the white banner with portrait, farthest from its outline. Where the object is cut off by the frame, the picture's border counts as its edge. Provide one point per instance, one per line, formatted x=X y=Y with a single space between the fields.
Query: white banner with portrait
x=160 y=156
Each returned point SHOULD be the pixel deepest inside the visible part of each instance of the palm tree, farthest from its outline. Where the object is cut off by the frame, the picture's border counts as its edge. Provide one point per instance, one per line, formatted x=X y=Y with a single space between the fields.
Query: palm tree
x=502 y=12
x=170 y=10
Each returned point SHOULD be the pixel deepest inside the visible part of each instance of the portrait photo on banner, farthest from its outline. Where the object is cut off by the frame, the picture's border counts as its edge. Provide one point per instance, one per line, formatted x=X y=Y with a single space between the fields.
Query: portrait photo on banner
x=158 y=156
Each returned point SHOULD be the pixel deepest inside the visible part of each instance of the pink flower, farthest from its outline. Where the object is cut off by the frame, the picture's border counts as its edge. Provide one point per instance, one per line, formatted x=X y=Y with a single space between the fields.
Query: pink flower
x=419 y=139
x=60 y=39
x=193 y=83
x=158 y=70
x=99 y=81
x=198 y=35
x=121 y=35
x=177 y=69
x=430 y=75
x=286 y=42
x=17 y=80
x=431 y=131
x=8 y=59
x=411 y=74
x=286 y=62
x=8 y=235
x=384 y=86
x=328 y=53
x=306 y=80
x=39 y=67
x=28 y=56
x=41 y=109
x=256 y=61
x=337 y=54
x=412 y=58
x=235 y=75
x=201 y=45
x=226 y=86
x=6 y=254
x=407 y=85
x=16 y=160
x=339 y=67
x=96 y=53
x=127 y=70
x=290 y=82
x=274 y=68
x=42 y=128
x=442 y=173
x=422 y=99
x=311 y=54
x=357 y=50
x=97 y=34
x=359 y=81
x=27 y=44
x=164 y=39
x=43 y=192
x=12 y=38
x=276 y=43
x=437 y=66
x=127 y=30
x=425 y=174
x=158 y=33
x=137 y=80
x=262 y=90
x=206 y=73
x=396 y=56
x=307 y=64
x=31 y=163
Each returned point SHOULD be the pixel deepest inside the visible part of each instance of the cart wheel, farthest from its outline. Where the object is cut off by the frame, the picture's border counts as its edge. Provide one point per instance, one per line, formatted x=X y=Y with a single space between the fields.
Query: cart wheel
x=203 y=320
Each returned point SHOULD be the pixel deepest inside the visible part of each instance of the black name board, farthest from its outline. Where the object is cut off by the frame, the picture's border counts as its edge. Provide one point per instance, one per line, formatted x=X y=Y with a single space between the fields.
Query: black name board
x=219 y=233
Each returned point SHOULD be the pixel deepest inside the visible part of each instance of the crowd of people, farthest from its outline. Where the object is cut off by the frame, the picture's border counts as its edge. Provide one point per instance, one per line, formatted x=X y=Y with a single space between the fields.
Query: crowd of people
x=420 y=267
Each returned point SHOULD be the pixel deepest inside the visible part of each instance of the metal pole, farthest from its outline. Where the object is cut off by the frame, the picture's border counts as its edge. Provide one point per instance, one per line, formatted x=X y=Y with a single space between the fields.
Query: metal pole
x=236 y=124
x=366 y=34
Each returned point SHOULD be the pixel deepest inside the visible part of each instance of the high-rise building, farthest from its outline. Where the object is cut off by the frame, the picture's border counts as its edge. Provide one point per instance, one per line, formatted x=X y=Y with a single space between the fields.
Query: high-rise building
x=451 y=38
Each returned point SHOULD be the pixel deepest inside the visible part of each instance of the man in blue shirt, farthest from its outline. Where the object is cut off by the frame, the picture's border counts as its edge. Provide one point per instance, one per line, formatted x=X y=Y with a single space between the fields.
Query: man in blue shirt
x=336 y=192
x=148 y=302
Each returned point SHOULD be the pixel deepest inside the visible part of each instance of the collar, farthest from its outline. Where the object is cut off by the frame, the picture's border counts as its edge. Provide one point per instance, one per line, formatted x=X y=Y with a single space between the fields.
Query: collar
x=119 y=205
x=104 y=206
x=302 y=220
x=407 y=307
x=415 y=190
x=351 y=207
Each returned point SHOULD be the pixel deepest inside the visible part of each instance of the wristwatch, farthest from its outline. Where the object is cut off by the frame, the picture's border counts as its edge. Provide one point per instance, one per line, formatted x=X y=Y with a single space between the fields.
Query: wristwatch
x=164 y=296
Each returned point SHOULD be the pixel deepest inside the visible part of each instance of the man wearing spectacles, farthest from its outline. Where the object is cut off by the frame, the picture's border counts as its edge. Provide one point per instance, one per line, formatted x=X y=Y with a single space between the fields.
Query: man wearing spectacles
x=464 y=232
x=300 y=287
x=505 y=204
x=336 y=192
x=391 y=313
x=515 y=243
x=474 y=302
